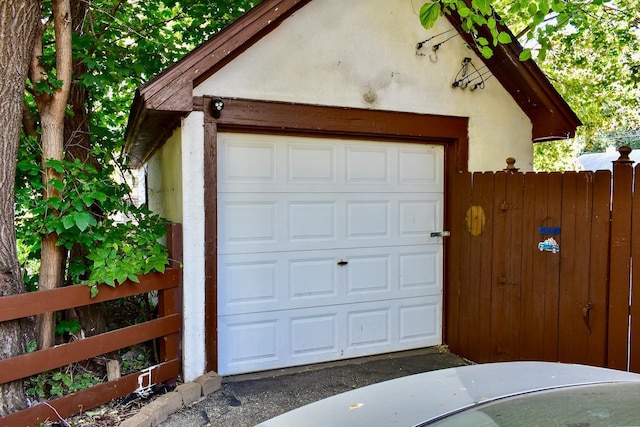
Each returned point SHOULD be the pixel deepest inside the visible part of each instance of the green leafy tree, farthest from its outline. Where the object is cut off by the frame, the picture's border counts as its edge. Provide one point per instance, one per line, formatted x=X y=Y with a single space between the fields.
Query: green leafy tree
x=18 y=20
x=589 y=49
x=74 y=212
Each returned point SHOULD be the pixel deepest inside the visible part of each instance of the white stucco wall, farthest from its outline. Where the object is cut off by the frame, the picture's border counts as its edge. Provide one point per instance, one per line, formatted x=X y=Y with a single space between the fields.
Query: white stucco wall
x=175 y=175
x=164 y=177
x=362 y=53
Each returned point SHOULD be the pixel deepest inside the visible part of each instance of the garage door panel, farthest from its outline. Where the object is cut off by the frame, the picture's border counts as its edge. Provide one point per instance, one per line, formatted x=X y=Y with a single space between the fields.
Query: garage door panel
x=297 y=337
x=248 y=162
x=419 y=167
x=295 y=222
x=250 y=222
x=312 y=220
x=325 y=249
x=311 y=164
x=290 y=280
x=368 y=219
x=368 y=164
x=420 y=322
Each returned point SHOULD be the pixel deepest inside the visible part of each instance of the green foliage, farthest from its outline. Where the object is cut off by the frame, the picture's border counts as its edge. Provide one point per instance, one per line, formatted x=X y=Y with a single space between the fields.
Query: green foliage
x=557 y=156
x=67 y=327
x=589 y=50
x=94 y=213
x=58 y=383
x=120 y=46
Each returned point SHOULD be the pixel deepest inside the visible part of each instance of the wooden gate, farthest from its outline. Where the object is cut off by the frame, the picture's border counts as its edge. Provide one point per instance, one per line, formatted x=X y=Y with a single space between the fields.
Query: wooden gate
x=506 y=299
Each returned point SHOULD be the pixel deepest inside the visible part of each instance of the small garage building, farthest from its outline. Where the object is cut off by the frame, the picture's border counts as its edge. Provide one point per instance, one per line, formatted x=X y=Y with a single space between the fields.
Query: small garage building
x=306 y=150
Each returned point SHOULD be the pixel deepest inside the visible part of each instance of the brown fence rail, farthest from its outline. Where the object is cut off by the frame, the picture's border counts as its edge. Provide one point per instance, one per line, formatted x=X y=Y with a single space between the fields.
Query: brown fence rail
x=508 y=300
x=166 y=327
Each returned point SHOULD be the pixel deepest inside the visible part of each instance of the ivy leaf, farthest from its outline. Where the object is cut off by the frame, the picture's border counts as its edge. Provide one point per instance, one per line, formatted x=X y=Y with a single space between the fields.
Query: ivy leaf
x=429 y=14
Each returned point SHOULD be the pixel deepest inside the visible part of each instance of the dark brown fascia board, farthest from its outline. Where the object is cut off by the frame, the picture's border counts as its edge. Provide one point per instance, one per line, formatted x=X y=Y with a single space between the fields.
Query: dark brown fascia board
x=552 y=118
x=168 y=96
x=205 y=60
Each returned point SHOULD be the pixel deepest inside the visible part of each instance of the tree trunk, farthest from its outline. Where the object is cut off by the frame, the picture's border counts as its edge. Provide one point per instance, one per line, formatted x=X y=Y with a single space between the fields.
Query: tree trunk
x=18 y=19
x=52 y=109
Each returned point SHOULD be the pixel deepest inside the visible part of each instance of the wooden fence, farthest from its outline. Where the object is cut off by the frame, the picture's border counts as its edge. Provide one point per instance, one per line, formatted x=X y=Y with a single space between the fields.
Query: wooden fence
x=166 y=327
x=505 y=299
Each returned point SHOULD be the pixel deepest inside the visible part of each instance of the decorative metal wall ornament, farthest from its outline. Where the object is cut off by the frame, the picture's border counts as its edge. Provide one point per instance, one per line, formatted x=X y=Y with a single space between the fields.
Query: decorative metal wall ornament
x=465 y=77
x=433 y=56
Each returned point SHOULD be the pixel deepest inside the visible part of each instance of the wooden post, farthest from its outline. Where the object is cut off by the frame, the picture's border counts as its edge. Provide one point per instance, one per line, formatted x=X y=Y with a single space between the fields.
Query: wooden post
x=170 y=300
x=620 y=261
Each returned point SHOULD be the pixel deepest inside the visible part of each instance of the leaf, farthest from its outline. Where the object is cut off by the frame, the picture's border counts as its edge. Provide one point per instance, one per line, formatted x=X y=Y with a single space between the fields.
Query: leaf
x=464 y=12
x=486 y=52
x=68 y=221
x=83 y=220
x=482 y=41
x=429 y=14
x=56 y=165
x=57 y=184
x=558 y=6
x=504 y=38
x=525 y=55
x=87 y=199
x=484 y=6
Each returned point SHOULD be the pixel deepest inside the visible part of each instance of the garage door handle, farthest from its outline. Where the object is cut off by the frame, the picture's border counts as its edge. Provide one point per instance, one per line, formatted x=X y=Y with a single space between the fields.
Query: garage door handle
x=343 y=262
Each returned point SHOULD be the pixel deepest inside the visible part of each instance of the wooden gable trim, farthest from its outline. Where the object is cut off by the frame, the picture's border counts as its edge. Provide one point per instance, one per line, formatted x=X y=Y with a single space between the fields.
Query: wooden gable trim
x=168 y=91
x=253 y=116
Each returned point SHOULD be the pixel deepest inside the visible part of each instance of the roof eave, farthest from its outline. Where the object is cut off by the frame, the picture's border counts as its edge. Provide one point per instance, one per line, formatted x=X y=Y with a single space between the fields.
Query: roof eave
x=169 y=96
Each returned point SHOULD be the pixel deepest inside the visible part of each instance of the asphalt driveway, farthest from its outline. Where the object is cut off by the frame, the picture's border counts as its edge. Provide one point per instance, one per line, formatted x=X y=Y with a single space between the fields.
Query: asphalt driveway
x=247 y=400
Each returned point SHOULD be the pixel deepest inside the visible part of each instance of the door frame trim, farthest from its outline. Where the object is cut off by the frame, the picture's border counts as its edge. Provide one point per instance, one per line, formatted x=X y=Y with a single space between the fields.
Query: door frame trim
x=268 y=117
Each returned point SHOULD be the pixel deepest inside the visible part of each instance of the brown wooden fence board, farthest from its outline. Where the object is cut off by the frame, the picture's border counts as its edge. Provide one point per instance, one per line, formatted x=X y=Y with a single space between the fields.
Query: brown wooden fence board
x=95 y=396
x=467 y=293
x=620 y=266
x=567 y=290
x=534 y=303
x=484 y=198
x=29 y=304
x=454 y=261
x=551 y=282
x=62 y=355
x=515 y=211
x=598 y=268
x=574 y=279
x=527 y=287
x=499 y=306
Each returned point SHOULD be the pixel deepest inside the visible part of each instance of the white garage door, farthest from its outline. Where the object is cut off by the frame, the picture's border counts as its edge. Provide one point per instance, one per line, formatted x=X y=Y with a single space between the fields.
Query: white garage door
x=325 y=249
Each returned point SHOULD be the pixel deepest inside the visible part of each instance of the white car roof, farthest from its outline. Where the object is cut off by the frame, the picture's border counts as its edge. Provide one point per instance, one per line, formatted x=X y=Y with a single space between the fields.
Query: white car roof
x=414 y=399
